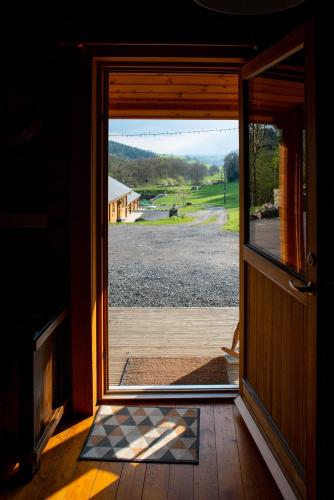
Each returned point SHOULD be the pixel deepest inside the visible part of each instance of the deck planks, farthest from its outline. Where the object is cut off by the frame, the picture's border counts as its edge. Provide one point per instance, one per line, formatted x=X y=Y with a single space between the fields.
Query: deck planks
x=168 y=331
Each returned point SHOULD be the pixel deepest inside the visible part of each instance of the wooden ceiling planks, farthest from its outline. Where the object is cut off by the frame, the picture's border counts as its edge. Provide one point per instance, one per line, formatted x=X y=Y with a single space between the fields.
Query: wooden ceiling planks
x=271 y=99
x=172 y=79
x=170 y=95
x=181 y=95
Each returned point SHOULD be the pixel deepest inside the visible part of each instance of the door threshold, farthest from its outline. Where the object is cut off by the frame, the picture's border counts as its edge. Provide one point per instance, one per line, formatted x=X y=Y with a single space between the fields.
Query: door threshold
x=172 y=392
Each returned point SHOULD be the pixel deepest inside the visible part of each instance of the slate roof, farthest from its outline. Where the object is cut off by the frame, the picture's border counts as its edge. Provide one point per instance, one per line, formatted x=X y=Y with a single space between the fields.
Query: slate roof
x=133 y=196
x=116 y=189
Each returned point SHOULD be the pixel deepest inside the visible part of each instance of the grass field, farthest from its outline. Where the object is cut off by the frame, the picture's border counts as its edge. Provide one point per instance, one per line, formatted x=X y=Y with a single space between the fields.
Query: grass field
x=213 y=178
x=207 y=195
x=233 y=220
x=162 y=222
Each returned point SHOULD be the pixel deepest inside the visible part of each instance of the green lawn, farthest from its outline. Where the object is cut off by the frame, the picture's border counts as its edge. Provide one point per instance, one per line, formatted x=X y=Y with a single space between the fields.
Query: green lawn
x=208 y=195
x=213 y=178
x=232 y=206
x=233 y=220
x=161 y=222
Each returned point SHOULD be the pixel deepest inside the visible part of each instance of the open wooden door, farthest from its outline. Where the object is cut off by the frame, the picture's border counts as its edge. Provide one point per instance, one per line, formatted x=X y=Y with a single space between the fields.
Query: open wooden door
x=278 y=256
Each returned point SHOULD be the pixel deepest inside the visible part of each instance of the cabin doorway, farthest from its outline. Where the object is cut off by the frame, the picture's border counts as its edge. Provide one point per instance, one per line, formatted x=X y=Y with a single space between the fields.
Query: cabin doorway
x=171 y=331
x=173 y=279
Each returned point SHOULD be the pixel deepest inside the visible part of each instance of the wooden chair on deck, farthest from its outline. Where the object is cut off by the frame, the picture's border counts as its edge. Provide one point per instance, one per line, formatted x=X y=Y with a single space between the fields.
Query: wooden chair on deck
x=232 y=350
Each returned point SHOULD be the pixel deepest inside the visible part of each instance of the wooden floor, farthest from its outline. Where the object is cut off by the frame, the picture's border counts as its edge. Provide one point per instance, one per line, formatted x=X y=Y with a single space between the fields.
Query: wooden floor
x=168 y=331
x=230 y=467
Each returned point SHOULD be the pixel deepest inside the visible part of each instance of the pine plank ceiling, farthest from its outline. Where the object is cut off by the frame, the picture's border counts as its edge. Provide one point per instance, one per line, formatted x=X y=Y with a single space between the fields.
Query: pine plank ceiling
x=173 y=95
x=202 y=96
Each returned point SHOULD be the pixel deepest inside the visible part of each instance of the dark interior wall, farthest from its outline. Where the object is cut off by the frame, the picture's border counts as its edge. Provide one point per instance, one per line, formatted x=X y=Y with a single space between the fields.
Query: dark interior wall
x=325 y=292
x=40 y=67
x=35 y=164
x=148 y=21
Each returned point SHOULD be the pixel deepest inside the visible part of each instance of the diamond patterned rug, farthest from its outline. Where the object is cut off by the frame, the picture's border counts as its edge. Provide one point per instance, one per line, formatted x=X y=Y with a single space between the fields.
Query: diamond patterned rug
x=143 y=434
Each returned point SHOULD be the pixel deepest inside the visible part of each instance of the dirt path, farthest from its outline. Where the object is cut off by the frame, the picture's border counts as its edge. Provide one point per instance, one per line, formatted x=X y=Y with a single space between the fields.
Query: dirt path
x=202 y=216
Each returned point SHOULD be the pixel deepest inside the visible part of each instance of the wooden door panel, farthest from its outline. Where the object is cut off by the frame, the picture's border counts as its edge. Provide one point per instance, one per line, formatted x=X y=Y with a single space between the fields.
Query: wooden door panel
x=276 y=367
x=277 y=305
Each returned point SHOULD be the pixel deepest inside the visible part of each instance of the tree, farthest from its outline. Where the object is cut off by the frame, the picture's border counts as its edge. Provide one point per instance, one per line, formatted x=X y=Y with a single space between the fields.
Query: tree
x=213 y=169
x=256 y=144
x=267 y=173
x=231 y=166
x=180 y=180
x=262 y=138
x=198 y=172
x=182 y=195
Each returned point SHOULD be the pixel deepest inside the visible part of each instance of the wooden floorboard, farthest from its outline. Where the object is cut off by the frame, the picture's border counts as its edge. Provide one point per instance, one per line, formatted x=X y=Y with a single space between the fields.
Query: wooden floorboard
x=107 y=480
x=206 y=473
x=131 y=481
x=255 y=478
x=228 y=463
x=170 y=332
x=230 y=467
x=156 y=482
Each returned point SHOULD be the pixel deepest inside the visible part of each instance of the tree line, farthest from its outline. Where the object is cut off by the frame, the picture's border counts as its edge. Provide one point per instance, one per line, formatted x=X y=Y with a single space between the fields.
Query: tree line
x=125 y=151
x=159 y=170
x=168 y=170
x=137 y=167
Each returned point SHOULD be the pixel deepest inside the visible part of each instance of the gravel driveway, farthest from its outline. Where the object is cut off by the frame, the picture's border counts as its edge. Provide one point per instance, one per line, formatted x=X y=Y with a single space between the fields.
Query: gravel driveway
x=184 y=265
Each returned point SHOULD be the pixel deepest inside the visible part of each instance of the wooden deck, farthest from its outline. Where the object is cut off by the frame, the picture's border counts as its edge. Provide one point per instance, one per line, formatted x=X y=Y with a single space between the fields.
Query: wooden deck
x=230 y=467
x=171 y=332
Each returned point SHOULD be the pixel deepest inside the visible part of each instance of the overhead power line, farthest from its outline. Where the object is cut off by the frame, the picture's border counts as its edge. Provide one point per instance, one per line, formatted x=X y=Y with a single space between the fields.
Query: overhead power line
x=180 y=132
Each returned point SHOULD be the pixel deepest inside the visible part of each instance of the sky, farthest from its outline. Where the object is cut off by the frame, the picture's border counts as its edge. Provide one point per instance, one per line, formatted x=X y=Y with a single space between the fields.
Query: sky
x=208 y=143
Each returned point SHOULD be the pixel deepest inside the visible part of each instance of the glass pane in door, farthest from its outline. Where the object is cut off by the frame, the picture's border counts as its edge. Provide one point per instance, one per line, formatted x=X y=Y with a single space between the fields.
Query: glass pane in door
x=277 y=170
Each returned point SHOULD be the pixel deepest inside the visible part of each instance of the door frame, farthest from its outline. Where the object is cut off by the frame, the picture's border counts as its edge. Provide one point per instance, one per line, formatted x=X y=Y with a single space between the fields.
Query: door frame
x=302 y=37
x=102 y=66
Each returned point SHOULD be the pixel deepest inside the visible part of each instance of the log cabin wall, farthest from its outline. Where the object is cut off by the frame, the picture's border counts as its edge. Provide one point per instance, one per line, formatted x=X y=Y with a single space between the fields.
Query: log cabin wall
x=112 y=213
x=133 y=206
x=118 y=208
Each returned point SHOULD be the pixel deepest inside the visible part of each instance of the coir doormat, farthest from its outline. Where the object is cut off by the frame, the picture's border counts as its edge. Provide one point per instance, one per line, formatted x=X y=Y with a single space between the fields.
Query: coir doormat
x=143 y=434
x=175 y=371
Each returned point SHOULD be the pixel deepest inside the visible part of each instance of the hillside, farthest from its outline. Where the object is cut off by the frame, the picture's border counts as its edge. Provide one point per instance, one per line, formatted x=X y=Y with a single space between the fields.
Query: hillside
x=163 y=171
x=124 y=151
x=206 y=158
